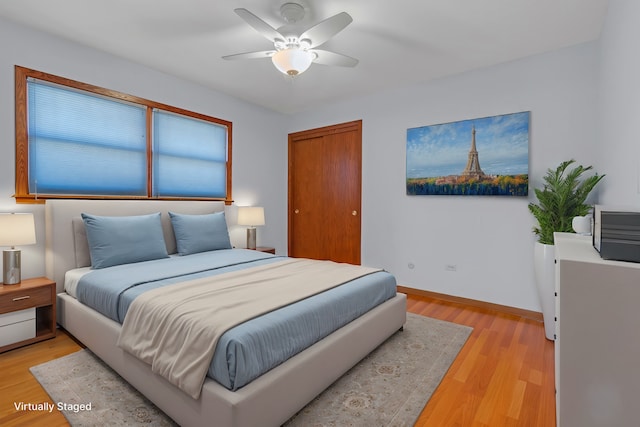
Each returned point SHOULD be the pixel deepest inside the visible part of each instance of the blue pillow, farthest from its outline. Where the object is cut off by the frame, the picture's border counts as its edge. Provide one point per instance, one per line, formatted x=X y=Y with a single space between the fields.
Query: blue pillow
x=200 y=233
x=115 y=240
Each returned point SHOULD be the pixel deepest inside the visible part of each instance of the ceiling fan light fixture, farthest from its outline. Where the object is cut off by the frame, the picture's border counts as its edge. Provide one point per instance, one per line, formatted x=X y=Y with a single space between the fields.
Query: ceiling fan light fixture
x=292 y=61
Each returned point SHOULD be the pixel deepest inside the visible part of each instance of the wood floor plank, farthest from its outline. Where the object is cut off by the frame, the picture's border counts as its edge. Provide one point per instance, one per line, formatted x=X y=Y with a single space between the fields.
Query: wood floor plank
x=18 y=385
x=502 y=377
x=505 y=376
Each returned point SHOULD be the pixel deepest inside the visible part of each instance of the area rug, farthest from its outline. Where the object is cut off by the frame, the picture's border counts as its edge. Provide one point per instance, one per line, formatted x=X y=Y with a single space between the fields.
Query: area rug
x=390 y=387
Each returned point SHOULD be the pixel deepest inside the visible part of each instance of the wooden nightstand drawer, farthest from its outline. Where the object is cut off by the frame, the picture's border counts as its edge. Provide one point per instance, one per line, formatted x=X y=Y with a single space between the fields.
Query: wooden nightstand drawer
x=25 y=298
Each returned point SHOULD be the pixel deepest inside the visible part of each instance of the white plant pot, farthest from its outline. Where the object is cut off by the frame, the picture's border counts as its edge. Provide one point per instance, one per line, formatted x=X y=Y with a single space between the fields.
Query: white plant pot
x=545 y=276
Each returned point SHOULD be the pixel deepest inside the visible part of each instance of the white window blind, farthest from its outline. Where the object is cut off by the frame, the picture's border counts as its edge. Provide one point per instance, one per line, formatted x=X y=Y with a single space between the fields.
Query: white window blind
x=189 y=157
x=81 y=143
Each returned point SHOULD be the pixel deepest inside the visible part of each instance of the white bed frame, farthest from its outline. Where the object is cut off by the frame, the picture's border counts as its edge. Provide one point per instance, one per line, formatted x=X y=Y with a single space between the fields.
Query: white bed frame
x=269 y=400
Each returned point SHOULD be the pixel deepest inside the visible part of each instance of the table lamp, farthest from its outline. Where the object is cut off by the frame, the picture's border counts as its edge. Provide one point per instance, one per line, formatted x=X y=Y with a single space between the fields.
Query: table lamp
x=16 y=229
x=251 y=216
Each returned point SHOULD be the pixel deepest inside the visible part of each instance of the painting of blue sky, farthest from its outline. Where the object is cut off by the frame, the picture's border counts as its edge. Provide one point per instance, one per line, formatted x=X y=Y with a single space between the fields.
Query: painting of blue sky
x=502 y=143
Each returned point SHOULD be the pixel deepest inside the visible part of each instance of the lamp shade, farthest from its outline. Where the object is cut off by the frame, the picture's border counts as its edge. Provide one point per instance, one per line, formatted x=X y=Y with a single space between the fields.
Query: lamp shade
x=250 y=215
x=292 y=61
x=17 y=229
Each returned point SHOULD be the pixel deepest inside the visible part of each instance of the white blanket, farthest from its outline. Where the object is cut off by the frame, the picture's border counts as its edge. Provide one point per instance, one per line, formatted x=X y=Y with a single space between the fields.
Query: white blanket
x=175 y=328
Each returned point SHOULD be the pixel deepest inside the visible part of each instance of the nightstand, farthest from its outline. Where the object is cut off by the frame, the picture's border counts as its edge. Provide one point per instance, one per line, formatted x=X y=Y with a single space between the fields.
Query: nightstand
x=27 y=312
x=266 y=249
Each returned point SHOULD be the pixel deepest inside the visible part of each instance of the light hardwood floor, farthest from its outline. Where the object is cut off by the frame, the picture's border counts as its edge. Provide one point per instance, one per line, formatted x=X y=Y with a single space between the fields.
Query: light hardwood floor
x=503 y=375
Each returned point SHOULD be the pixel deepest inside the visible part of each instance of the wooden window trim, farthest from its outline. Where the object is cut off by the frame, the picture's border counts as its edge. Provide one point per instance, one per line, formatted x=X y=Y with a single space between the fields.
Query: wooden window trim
x=22 y=194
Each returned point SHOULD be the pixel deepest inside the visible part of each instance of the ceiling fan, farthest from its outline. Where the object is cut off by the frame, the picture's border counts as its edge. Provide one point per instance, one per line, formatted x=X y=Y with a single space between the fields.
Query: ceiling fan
x=294 y=51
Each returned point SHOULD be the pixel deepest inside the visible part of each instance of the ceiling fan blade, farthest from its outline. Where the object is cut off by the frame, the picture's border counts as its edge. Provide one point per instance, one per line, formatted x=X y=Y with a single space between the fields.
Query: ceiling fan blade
x=259 y=25
x=325 y=57
x=323 y=31
x=251 y=55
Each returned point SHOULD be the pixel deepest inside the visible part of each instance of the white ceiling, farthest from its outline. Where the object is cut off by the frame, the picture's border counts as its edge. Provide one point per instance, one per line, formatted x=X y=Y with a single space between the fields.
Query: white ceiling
x=398 y=42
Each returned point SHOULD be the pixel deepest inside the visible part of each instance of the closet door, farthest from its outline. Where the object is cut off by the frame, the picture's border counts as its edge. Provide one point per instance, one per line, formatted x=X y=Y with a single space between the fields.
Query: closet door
x=325 y=180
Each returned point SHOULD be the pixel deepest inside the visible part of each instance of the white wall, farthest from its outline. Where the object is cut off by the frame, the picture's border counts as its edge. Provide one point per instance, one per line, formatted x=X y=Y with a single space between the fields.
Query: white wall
x=489 y=239
x=620 y=104
x=259 y=167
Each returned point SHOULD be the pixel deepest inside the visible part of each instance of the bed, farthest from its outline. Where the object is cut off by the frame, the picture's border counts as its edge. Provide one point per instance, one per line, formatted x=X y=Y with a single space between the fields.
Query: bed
x=269 y=399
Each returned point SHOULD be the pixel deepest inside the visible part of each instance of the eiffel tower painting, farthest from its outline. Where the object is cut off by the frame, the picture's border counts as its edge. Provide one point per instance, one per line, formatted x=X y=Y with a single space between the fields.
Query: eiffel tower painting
x=443 y=159
x=473 y=170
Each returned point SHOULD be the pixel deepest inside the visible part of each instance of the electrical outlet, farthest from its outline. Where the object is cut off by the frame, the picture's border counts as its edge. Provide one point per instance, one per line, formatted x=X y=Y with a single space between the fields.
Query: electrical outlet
x=451 y=267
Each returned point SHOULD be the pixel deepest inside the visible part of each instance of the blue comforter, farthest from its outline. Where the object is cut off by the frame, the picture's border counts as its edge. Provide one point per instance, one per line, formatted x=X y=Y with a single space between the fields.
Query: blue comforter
x=254 y=347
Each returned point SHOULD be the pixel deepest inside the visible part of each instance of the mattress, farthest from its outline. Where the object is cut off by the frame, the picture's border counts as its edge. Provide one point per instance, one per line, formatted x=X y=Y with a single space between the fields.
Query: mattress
x=248 y=350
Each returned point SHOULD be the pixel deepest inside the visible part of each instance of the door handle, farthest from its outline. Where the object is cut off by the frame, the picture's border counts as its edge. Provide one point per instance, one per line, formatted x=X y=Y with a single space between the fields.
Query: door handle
x=297 y=211
x=354 y=213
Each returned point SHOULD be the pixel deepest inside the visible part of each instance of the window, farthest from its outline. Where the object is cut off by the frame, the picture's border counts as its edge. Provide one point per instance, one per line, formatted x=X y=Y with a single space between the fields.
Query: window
x=202 y=168
x=81 y=141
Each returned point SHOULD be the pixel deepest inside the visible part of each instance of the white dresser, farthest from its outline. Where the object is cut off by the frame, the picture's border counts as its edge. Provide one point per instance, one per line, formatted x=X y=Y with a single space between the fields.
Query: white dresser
x=597 y=347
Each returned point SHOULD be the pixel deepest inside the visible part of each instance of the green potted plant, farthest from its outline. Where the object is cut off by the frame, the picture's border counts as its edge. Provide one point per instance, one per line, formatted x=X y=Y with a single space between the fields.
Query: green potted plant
x=561 y=199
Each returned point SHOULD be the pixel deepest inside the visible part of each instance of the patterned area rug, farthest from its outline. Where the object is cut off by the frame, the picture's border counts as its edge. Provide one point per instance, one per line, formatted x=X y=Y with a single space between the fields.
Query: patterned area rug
x=390 y=387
